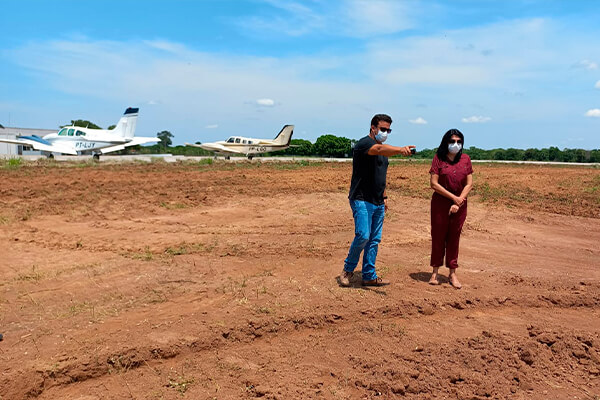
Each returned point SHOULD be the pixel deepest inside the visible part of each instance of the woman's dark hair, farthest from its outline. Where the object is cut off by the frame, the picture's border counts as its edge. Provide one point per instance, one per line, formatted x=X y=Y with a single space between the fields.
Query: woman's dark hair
x=442 y=151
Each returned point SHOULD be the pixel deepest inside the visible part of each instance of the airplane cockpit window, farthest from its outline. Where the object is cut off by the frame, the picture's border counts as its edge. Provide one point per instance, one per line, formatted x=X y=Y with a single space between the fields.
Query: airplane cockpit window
x=237 y=140
x=63 y=132
x=230 y=140
x=71 y=132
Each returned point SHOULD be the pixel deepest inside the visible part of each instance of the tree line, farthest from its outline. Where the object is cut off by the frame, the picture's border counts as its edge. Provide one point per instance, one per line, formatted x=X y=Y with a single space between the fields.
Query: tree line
x=332 y=146
x=545 y=154
x=340 y=147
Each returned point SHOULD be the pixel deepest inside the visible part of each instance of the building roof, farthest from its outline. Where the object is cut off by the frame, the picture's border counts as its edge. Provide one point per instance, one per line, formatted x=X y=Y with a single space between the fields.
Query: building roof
x=12 y=131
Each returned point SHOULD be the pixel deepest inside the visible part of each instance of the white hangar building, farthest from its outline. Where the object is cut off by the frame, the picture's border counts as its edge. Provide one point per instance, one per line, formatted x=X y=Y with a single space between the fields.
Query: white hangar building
x=8 y=149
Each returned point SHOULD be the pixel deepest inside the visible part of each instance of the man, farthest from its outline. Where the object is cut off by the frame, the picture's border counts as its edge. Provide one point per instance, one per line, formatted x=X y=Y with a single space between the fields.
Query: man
x=368 y=198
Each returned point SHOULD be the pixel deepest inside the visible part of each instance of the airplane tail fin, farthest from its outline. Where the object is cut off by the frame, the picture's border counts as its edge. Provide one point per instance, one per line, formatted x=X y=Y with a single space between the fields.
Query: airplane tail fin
x=284 y=137
x=126 y=125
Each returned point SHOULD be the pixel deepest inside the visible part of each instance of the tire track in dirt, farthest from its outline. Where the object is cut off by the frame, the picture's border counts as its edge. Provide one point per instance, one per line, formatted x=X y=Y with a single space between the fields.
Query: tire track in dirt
x=556 y=356
x=576 y=346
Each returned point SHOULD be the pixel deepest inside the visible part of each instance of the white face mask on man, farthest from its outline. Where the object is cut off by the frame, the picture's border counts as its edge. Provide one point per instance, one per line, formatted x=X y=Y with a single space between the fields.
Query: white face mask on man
x=454 y=148
x=381 y=136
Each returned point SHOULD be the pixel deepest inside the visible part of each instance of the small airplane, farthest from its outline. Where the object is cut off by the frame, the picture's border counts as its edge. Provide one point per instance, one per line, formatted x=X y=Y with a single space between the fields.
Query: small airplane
x=76 y=140
x=239 y=145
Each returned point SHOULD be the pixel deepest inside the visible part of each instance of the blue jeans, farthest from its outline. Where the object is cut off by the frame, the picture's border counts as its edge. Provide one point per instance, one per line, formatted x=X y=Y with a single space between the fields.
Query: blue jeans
x=368 y=223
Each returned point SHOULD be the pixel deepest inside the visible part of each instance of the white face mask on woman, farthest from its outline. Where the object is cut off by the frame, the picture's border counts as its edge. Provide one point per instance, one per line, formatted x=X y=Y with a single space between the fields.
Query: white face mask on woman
x=454 y=148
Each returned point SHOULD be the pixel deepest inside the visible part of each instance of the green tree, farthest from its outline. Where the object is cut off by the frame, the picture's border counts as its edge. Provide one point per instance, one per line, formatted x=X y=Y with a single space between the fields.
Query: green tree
x=333 y=146
x=425 y=153
x=83 y=123
x=111 y=127
x=298 y=147
x=513 y=154
x=544 y=155
x=532 y=155
x=499 y=154
x=474 y=153
x=554 y=154
x=165 y=138
x=189 y=151
x=579 y=155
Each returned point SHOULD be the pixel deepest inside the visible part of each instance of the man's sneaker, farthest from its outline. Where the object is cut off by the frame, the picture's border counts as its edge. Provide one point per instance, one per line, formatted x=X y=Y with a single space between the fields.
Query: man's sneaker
x=345 y=277
x=375 y=282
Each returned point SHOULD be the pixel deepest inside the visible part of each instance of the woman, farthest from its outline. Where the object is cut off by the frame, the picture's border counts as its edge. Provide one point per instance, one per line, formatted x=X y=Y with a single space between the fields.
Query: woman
x=451 y=180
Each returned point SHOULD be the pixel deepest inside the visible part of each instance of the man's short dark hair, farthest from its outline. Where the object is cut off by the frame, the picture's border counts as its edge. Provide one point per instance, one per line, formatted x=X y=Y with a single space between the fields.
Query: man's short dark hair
x=381 y=117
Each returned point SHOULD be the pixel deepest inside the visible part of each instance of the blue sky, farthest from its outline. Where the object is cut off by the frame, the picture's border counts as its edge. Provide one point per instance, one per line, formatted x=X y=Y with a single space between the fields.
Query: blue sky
x=506 y=73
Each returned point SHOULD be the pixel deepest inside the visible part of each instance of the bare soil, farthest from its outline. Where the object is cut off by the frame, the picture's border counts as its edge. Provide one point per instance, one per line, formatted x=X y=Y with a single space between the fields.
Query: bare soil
x=218 y=281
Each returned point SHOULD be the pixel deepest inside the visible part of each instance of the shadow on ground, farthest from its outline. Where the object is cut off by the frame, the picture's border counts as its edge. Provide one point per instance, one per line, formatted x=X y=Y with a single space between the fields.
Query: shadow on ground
x=424 y=277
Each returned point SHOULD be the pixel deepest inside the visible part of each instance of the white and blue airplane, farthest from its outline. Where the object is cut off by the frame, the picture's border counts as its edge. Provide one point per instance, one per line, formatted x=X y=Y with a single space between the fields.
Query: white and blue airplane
x=76 y=140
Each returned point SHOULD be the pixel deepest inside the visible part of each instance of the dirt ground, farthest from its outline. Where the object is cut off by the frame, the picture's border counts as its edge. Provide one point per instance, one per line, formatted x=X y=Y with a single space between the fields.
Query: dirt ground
x=218 y=281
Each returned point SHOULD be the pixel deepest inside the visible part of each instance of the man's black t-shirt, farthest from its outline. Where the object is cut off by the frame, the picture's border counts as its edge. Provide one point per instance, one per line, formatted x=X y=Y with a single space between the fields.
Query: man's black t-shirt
x=368 y=173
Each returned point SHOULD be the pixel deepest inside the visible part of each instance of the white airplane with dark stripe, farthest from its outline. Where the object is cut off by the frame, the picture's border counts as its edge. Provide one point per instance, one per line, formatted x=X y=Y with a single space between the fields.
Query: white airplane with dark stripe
x=76 y=140
x=239 y=145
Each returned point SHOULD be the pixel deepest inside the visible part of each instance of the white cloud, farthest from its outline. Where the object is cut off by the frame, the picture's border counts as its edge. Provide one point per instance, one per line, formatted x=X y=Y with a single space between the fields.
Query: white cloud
x=265 y=102
x=515 y=93
x=475 y=119
x=586 y=64
x=437 y=74
x=213 y=126
x=597 y=86
x=496 y=55
x=376 y=17
x=164 y=45
x=418 y=121
x=594 y=112
x=294 y=19
x=187 y=80
x=140 y=70
x=350 y=18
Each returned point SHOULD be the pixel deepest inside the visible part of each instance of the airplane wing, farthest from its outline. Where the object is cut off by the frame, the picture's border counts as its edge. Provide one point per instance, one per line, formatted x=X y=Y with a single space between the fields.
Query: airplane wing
x=133 y=142
x=215 y=147
x=141 y=140
x=40 y=144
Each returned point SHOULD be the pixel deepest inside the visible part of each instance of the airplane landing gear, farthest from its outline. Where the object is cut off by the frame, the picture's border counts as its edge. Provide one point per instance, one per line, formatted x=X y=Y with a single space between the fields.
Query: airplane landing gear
x=227 y=157
x=96 y=157
x=250 y=157
x=50 y=156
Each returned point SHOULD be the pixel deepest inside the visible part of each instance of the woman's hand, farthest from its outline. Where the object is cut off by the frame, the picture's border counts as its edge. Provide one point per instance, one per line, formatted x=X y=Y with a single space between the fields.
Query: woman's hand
x=459 y=200
x=453 y=209
x=386 y=206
